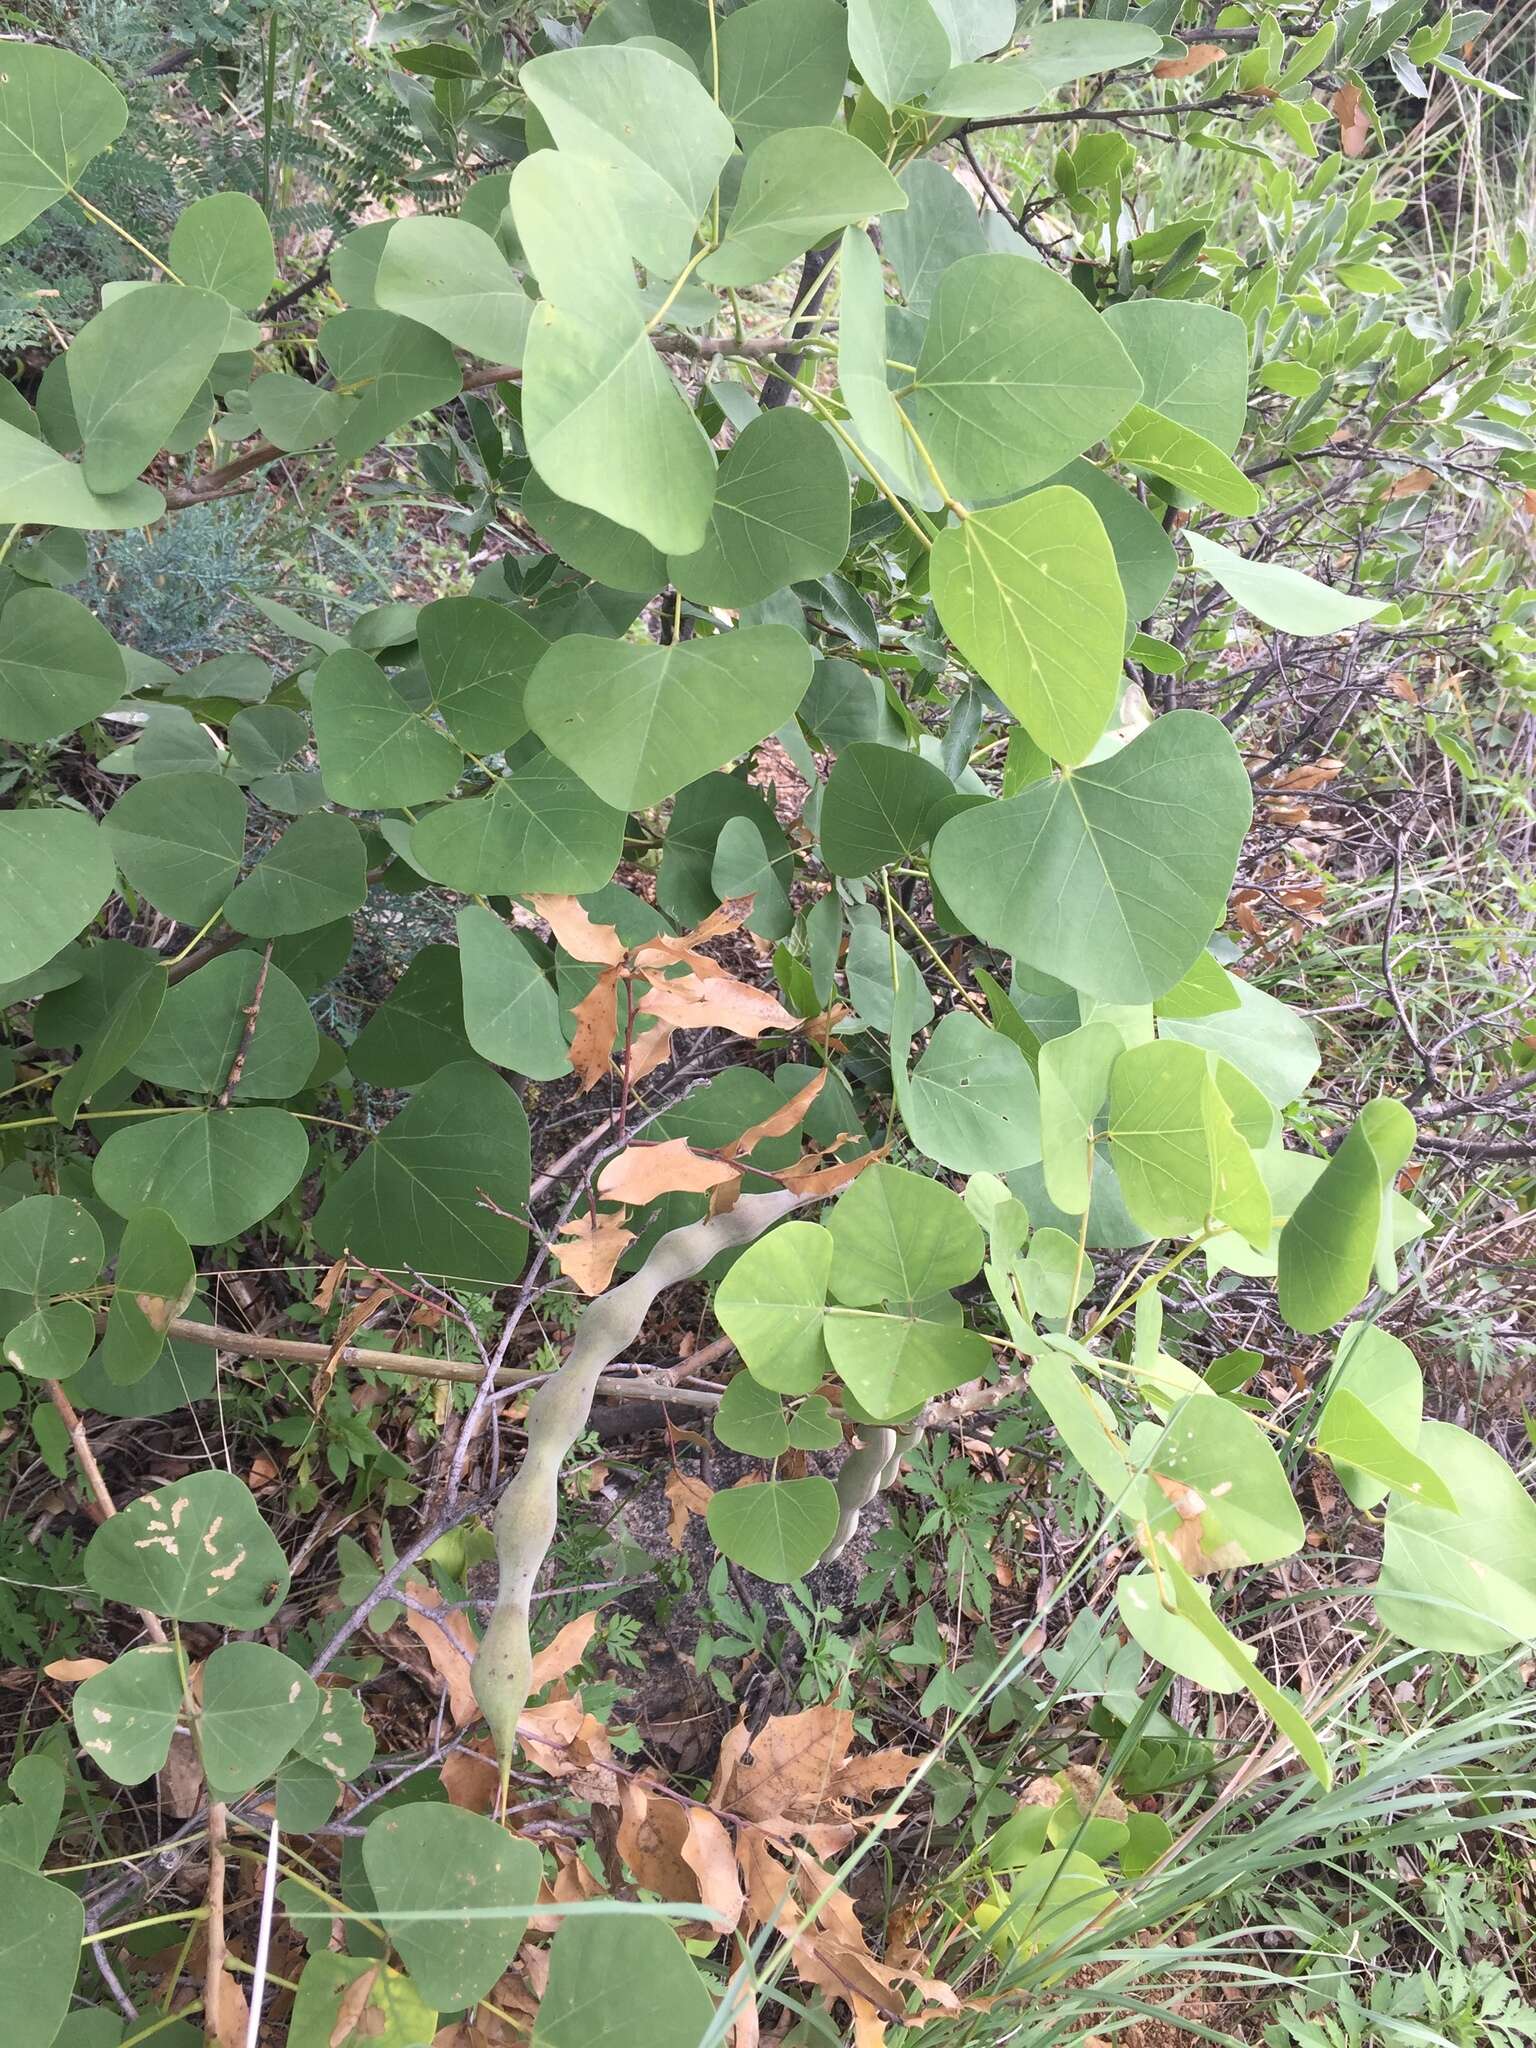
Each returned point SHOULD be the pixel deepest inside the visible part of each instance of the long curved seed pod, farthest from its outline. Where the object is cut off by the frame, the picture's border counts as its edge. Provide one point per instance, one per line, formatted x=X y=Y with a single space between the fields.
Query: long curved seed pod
x=869 y=1470
x=907 y=1441
x=861 y=1478
x=557 y=1415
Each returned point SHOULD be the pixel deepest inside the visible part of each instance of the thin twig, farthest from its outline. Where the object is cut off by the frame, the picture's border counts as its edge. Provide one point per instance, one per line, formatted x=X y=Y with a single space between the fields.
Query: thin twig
x=218 y=482
x=509 y=1378
x=1115 y=117
x=1431 y=1079
x=85 y=1457
x=389 y=1579
x=290 y=298
x=252 y=1013
x=110 y=1978
x=213 y=1978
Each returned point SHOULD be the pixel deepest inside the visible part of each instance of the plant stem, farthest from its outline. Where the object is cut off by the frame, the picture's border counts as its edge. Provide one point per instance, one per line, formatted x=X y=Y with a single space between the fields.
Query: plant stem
x=200 y=934
x=106 y=221
x=819 y=405
x=931 y=466
x=680 y=280
x=155 y=1920
x=1116 y=1309
x=268 y=110
x=166 y=2019
x=972 y=1002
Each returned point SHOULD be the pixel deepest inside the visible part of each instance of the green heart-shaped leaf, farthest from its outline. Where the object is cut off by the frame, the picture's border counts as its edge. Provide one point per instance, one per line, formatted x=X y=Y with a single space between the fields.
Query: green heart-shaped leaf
x=636 y=723
x=597 y=1969
x=1031 y=595
x=214 y=1173
x=539 y=829
x=1283 y=1708
x=776 y=1530
x=799 y=186
x=1166 y=1634
x=387 y=2011
x=781 y=514
x=813 y=1426
x=1334 y=1238
x=750 y=1418
x=419 y=1029
x=1279 y=595
x=154 y=1282
x=1113 y=877
x=389 y=369
x=893 y=1363
x=783 y=64
x=49 y=1245
x=899 y=47
x=971 y=1102
x=115 y=1041
x=1229 y=1502
x=450 y=276
x=1175 y=454
x=56 y=113
x=511 y=1011
x=294 y=414
x=1351 y=1436
x=52 y=1342
x=59 y=669
x=376 y=750
x=659 y=139
x=862 y=353
x=316 y=873
x=44 y=1929
x=478 y=657
x=1463 y=1582
x=55 y=874
x=898 y=1236
x=133 y=372
x=879 y=805
x=606 y=426
x=1052 y=53
x=1192 y=360
x=36 y=484
x=416 y=1196
x=1268 y=1041
x=426 y=1864
x=1074 y=1082
x=36 y=1783
x=1384 y=1376
x=337 y=1745
x=771 y=1305
x=223 y=244
x=179 y=840
x=203 y=1022
x=1017 y=375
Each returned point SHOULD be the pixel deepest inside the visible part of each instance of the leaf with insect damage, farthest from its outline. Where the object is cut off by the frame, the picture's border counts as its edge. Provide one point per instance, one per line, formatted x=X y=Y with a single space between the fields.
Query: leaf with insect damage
x=195 y=1549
